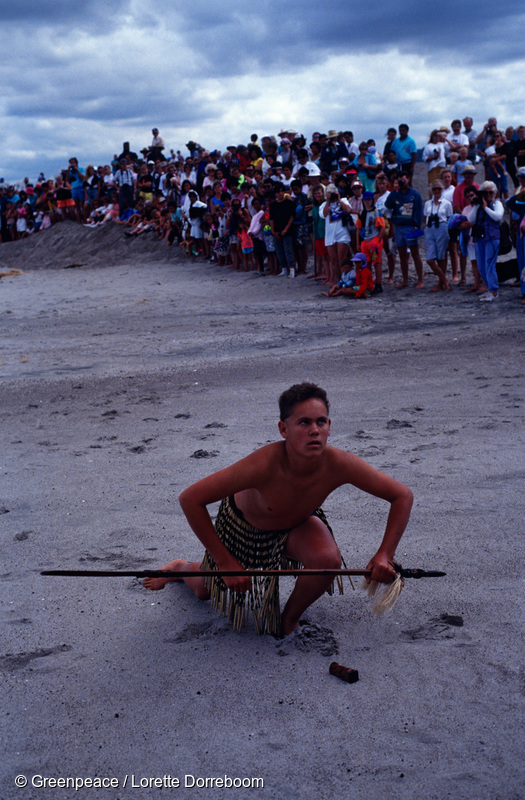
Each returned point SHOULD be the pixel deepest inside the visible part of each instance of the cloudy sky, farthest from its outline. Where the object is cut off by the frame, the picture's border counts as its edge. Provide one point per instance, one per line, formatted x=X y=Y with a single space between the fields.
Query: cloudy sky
x=79 y=77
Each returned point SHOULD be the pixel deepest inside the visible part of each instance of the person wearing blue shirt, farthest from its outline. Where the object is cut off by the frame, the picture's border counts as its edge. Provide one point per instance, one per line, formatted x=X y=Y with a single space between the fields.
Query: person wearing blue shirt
x=405 y=149
x=407 y=215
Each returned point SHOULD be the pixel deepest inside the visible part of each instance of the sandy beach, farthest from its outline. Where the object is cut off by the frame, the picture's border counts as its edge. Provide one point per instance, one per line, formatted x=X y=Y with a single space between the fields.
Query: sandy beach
x=128 y=373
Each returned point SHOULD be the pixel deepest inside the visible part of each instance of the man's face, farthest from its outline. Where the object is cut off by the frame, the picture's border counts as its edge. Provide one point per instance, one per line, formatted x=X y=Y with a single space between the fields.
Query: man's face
x=403 y=131
x=456 y=127
x=467 y=122
x=468 y=178
x=307 y=429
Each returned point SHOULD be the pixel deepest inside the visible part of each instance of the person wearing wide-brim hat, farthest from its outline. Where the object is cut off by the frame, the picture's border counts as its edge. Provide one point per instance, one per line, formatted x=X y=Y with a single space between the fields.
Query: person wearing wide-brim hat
x=486 y=231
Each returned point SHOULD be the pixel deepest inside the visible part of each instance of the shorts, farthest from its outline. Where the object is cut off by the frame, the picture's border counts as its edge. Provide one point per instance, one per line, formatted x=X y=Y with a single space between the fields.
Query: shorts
x=402 y=237
x=436 y=242
x=247 y=250
x=320 y=248
x=78 y=194
x=373 y=250
x=301 y=234
x=269 y=242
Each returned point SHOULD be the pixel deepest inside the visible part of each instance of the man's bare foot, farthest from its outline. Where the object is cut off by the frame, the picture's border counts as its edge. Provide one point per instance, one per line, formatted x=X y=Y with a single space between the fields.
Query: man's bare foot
x=402 y=285
x=159 y=583
x=436 y=288
x=420 y=285
x=455 y=279
x=390 y=281
x=288 y=626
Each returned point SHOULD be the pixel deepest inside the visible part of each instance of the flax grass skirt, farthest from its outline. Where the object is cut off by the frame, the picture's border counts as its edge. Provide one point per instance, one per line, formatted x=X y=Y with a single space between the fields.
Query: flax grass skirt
x=253 y=548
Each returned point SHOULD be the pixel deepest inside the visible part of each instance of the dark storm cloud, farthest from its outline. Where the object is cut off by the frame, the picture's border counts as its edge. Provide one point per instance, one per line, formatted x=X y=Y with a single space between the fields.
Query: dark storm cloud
x=295 y=32
x=84 y=14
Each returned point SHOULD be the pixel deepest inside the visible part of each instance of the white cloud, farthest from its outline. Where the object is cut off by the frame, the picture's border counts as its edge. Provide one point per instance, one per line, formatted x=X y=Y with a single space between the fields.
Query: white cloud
x=83 y=83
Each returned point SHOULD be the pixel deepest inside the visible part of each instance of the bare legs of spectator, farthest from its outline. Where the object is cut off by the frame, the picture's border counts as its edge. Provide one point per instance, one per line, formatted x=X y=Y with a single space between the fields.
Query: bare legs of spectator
x=437 y=268
x=403 y=258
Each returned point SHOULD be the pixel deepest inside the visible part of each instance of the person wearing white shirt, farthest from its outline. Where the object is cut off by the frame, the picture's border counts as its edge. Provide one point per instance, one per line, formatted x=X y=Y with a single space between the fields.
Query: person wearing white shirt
x=437 y=212
x=456 y=140
x=434 y=157
x=302 y=161
x=486 y=218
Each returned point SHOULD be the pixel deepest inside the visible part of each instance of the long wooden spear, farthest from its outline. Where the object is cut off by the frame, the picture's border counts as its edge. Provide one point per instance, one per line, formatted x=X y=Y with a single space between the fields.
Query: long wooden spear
x=162 y=573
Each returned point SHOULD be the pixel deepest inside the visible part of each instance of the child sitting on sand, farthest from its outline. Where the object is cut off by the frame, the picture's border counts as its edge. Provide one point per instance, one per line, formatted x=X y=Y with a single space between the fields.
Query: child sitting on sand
x=347 y=280
x=364 y=282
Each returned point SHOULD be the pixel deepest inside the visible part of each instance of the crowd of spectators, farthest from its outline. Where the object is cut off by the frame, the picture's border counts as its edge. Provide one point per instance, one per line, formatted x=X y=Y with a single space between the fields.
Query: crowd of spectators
x=269 y=206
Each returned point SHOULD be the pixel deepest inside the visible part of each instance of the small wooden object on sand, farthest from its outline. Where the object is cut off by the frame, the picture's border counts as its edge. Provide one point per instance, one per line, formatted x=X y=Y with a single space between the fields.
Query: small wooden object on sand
x=345 y=673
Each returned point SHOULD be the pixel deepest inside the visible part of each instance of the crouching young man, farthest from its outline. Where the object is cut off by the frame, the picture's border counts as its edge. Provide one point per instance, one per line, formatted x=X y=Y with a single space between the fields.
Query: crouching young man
x=271 y=517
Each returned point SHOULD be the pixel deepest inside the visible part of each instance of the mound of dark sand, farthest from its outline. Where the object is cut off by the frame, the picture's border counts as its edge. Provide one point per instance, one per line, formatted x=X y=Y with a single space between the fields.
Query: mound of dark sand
x=68 y=244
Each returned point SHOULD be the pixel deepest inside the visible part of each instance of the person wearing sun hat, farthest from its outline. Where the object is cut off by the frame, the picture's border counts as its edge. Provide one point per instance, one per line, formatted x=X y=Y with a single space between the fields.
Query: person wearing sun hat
x=486 y=231
x=364 y=282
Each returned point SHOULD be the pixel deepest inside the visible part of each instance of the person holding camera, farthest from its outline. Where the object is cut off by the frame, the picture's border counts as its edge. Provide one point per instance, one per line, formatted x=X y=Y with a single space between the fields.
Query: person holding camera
x=437 y=212
x=486 y=216
x=406 y=205
x=336 y=212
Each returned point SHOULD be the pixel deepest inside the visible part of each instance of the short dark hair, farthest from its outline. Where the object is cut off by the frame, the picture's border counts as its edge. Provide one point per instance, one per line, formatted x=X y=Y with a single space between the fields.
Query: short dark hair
x=298 y=393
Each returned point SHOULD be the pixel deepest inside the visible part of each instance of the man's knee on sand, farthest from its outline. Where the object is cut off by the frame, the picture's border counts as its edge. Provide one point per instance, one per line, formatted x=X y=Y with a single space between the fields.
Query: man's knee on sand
x=313 y=545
